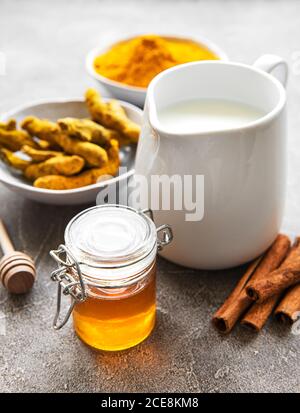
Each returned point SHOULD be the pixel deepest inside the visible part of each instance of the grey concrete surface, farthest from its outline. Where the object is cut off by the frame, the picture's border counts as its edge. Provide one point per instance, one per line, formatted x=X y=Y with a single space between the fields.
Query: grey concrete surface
x=45 y=44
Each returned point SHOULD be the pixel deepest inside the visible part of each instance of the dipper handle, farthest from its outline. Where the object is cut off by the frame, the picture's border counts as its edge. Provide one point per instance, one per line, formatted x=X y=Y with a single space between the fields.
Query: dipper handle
x=17 y=270
x=5 y=241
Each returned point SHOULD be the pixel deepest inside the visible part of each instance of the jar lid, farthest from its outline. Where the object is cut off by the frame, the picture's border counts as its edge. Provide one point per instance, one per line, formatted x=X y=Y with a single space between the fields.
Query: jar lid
x=110 y=236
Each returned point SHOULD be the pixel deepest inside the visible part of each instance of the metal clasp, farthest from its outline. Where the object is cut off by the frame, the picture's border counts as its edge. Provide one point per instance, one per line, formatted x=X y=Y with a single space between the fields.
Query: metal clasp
x=70 y=282
x=166 y=230
x=167 y=236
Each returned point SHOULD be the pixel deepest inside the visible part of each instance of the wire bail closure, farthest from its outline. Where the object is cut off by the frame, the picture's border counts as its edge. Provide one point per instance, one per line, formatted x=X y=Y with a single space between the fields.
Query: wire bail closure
x=166 y=230
x=70 y=282
x=69 y=275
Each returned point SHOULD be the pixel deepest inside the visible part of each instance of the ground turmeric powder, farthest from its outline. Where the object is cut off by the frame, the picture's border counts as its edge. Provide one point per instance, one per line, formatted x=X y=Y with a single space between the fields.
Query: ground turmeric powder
x=137 y=61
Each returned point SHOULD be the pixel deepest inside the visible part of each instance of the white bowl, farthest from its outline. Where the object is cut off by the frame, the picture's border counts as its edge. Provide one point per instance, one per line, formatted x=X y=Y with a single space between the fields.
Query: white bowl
x=53 y=110
x=133 y=94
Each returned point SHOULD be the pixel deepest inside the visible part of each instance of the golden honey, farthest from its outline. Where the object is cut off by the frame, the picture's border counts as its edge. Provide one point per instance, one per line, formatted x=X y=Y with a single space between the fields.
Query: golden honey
x=119 y=318
x=108 y=266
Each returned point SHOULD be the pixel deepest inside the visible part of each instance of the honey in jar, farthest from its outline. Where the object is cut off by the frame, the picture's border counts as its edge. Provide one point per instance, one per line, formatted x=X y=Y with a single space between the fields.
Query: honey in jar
x=110 y=272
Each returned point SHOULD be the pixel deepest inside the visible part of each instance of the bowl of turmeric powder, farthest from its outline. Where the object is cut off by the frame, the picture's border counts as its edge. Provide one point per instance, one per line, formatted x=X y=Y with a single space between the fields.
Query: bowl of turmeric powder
x=127 y=67
x=65 y=151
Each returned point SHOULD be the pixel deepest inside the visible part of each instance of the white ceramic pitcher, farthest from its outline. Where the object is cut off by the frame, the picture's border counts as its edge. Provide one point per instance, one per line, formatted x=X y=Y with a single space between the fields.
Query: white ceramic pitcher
x=244 y=168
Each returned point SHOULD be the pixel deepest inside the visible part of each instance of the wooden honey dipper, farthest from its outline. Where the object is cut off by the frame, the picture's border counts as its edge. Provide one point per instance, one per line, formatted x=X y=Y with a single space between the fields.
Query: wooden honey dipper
x=17 y=270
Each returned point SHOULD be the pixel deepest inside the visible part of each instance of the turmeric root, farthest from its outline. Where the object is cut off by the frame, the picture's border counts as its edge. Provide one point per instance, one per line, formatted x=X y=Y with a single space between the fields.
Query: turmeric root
x=123 y=140
x=92 y=153
x=63 y=165
x=87 y=130
x=41 y=128
x=71 y=152
x=45 y=145
x=105 y=114
x=9 y=125
x=15 y=139
x=50 y=131
x=88 y=177
x=113 y=152
x=39 y=155
x=115 y=106
x=13 y=160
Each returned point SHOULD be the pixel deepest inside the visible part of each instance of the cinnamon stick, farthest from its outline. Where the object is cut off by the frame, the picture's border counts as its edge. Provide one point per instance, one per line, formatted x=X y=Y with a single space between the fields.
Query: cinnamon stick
x=258 y=314
x=238 y=301
x=289 y=307
x=279 y=280
x=235 y=305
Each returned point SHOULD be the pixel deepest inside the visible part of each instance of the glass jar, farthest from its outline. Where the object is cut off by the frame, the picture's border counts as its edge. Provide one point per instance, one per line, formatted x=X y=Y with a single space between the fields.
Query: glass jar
x=108 y=267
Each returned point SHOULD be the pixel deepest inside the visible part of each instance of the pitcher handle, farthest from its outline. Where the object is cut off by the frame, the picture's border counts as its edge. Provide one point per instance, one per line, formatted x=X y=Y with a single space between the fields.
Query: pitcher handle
x=274 y=65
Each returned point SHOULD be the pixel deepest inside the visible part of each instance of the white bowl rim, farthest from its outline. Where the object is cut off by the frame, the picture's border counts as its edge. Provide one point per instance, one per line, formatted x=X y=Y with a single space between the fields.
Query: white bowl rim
x=30 y=188
x=93 y=53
